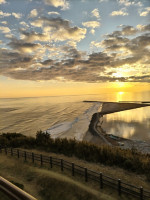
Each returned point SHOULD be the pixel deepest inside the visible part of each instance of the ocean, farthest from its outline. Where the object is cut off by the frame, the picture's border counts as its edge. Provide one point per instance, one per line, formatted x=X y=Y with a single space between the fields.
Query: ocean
x=70 y=116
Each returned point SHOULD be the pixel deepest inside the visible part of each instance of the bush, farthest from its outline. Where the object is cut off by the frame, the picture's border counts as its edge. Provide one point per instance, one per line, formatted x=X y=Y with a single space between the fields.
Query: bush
x=131 y=160
x=16 y=140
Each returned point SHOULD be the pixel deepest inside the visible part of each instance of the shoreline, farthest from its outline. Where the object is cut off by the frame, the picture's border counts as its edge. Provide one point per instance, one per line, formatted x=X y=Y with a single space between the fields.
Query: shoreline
x=98 y=136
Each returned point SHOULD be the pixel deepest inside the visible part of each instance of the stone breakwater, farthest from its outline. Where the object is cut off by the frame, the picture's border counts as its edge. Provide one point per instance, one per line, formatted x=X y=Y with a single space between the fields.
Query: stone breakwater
x=98 y=136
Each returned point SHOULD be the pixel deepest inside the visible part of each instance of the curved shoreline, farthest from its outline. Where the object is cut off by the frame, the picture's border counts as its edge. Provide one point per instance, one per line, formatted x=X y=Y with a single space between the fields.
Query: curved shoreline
x=95 y=129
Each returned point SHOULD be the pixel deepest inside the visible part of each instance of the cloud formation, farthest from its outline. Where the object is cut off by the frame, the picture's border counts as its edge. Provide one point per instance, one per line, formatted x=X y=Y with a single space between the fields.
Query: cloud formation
x=126 y=2
x=145 y=12
x=91 y=24
x=95 y=13
x=4 y=29
x=17 y=15
x=3 y=14
x=119 y=13
x=23 y=62
x=33 y=13
x=130 y=3
x=58 y=3
x=44 y=46
x=57 y=29
x=22 y=46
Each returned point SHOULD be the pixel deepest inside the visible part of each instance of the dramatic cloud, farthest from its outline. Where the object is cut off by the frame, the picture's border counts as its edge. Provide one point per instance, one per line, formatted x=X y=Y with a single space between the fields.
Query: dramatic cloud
x=33 y=13
x=143 y=27
x=95 y=13
x=22 y=46
x=119 y=13
x=58 y=3
x=128 y=30
x=23 y=61
x=13 y=60
x=52 y=45
x=58 y=29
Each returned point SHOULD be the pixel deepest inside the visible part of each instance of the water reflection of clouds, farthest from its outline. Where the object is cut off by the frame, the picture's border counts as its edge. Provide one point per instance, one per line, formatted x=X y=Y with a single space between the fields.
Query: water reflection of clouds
x=132 y=124
x=133 y=128
x=122 y=130
x=137 y=115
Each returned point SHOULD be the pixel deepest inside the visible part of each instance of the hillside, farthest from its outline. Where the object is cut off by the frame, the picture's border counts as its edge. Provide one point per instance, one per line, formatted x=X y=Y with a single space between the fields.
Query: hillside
x=46 y=185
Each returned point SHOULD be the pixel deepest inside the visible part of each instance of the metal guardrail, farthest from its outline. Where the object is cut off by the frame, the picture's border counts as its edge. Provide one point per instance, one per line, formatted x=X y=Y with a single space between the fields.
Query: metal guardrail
x=13 y=192
x=101 y=179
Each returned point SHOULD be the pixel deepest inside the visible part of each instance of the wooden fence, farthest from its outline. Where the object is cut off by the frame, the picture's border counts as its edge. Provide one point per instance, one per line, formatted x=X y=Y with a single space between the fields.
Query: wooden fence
x=101 y=179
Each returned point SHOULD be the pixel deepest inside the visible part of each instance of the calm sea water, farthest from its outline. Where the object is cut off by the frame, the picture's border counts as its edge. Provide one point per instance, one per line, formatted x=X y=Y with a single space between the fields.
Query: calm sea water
x=28 y=115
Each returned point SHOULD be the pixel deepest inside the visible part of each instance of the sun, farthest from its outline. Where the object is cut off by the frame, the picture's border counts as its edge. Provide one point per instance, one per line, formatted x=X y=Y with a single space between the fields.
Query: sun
x=120 y=96
x=121 y=93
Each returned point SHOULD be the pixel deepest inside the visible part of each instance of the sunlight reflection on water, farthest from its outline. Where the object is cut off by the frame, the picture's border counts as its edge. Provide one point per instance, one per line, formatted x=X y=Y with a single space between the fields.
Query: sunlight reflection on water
x=27 y=115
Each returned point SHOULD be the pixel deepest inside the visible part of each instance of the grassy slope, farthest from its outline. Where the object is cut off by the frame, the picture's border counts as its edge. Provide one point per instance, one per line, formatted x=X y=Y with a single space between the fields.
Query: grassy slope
x=114 y=172
x=47 y=185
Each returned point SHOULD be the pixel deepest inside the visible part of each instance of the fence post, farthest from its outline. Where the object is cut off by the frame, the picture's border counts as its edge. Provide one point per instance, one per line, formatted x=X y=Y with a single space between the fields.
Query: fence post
x=25 y=156
x=11 y=152
x=18 y=153
x=86 y=174
x=62 y=166
x=6 y=150
x=101 y=180
x=119 y=186
x=32 y=157
x=41 y=159
x=141 y=193
x=51 y=162
x=72 y=169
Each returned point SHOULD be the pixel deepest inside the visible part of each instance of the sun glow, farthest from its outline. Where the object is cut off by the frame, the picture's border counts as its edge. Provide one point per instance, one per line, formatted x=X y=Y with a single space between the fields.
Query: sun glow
x=120 y=96
x=120 y=85
x=120 y=93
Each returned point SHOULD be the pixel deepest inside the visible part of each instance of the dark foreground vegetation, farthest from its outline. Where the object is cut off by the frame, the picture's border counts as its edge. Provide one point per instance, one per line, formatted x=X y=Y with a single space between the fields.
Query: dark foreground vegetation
x=45 y=184
x=131 y=160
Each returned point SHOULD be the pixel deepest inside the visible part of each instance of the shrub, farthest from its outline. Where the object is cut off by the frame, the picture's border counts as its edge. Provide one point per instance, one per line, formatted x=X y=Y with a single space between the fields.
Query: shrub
x=131 y=160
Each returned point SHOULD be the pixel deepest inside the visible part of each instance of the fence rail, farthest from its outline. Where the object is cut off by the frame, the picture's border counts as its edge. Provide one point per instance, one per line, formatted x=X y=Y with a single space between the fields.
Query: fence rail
x=101 y=179
x=13 y=192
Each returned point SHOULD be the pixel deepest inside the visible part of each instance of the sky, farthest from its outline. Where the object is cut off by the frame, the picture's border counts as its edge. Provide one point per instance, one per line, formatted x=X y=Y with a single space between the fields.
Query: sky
x=71 y=47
